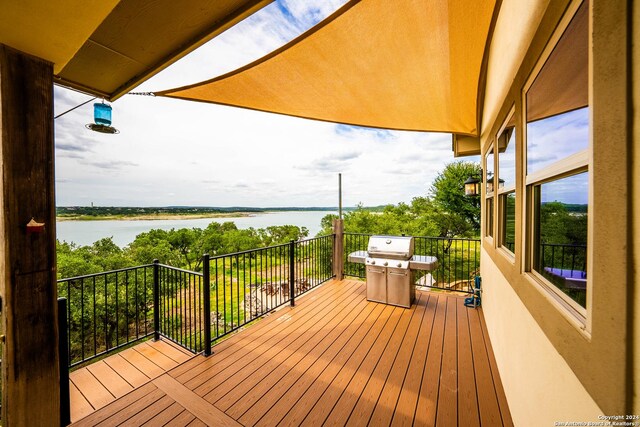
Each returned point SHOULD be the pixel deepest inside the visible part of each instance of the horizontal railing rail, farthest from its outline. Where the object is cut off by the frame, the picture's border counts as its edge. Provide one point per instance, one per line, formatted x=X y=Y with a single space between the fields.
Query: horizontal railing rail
x=458 y=260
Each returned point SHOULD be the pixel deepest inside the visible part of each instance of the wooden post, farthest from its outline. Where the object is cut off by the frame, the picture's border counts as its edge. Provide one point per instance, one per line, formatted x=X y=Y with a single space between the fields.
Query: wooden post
x=338 y=249
x=30 y=370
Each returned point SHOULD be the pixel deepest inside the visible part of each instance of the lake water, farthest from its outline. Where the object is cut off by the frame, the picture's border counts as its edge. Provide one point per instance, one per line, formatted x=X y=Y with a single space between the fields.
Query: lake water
x=125 y=232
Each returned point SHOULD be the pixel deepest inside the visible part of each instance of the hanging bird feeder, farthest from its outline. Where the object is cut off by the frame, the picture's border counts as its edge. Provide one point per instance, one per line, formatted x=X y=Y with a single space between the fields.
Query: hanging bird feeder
x=102 y=119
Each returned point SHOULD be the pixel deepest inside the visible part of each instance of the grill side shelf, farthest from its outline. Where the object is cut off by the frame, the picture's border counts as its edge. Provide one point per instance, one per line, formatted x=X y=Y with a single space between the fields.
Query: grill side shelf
x=423 y=262
x=357 y=257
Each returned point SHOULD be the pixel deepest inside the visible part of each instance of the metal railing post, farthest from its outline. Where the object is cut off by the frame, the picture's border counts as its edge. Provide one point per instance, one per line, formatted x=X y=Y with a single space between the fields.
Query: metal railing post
x=63 y=354
x=156 y=299
x=292 y=273
x=338 y=249
x=206 y=289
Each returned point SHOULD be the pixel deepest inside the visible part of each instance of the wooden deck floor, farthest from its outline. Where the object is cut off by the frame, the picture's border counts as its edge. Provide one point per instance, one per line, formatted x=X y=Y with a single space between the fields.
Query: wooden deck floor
x=334 y=359
x=96 y=385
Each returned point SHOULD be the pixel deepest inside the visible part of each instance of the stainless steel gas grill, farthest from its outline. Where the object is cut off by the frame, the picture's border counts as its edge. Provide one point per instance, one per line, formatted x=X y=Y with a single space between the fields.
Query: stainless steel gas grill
x=391 y=266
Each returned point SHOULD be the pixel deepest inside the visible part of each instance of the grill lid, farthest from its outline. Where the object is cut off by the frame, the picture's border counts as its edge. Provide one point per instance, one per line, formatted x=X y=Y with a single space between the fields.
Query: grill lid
x=394 y=247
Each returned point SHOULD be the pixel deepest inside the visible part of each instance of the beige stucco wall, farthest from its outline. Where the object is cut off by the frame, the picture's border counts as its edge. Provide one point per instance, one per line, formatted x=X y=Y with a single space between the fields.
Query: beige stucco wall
x=540 y=386
x=507 y=50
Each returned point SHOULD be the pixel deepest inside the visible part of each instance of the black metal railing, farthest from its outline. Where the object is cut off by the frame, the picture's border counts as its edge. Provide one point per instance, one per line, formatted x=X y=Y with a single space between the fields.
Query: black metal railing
x=564 y=256
x=107 y=311
x=458 y=260
x=180 y=306
x=247 y=285
x=111 y=310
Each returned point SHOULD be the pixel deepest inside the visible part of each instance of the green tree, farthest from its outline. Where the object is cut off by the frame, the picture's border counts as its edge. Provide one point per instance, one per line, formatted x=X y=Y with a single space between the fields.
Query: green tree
x=455 y=213
x=151 y=245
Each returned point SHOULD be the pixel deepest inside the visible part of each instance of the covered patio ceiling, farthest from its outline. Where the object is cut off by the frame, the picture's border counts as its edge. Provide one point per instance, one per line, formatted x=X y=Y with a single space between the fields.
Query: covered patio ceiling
x=409 y=65
x=108 y=47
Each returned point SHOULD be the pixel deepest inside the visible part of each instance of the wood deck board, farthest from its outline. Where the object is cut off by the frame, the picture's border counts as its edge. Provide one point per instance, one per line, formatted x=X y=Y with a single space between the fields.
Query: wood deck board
x=239 y=400
x=182 y=419
x=386 y=404
x=226 y=377
x=337 y=382
x=146 y=393
x=366 y=404
x=176 y=353
x=502 y=398
x=166 y=416
x=156 y=357
x=487 y=397
x=467 y=399
x=97 y=394
x=110 y=379
x=287 y=392
x=126 y=370
x=139 y=412
x=102 y=382
x=406 y=407
x=447 y=411
x=332 y=359
x=143 y=363
x=425 y=413
x=263 y=397
x=301 y=402
x=250 y=338
x=81 y=406
x=193 y=403
x=350 y=395
x=254 y=336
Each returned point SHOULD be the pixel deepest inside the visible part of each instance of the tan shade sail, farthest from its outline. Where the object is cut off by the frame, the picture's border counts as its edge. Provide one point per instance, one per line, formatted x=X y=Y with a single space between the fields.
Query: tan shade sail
x=405 y=64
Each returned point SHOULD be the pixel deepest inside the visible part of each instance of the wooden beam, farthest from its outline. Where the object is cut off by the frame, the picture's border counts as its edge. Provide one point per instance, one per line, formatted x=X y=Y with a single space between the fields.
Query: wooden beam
x=30 y=372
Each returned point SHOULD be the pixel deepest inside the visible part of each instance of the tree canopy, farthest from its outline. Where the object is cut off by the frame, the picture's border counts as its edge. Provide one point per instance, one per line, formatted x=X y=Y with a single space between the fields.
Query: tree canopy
x=176 y=247
x=444 y=212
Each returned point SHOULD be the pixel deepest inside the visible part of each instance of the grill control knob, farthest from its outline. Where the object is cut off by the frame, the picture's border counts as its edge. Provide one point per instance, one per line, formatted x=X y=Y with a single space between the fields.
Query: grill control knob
x=386 y=263
x=373 y=261
x=399 y=264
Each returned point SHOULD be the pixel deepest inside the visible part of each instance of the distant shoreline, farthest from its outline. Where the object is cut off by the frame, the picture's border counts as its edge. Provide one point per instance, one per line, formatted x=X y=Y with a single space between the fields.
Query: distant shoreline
x=153 y=217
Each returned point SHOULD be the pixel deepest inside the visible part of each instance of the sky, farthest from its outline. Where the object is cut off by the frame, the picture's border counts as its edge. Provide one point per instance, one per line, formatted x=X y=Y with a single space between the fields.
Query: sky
x=175 y=152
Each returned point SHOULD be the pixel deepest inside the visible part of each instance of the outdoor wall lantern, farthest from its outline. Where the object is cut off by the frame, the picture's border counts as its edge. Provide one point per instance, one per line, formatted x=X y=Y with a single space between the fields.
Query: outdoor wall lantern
x=472 y=186
x=490 y=184
x=102 y=119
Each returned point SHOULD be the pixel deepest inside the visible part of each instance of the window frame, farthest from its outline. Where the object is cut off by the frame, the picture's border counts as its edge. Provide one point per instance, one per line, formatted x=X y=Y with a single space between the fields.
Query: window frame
x=573 y=164
x=489 y=230
x=503 y=192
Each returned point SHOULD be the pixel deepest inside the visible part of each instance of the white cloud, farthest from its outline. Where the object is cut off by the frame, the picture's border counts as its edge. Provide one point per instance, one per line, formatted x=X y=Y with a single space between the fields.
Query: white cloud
x=174 y=152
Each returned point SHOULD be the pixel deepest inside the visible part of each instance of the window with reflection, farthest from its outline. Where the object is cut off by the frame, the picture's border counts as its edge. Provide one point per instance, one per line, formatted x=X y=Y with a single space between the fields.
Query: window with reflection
x=508 y=221
x=489 y=221
x=561 y=233
x=489 y=193
x=557 y=164
x=507 y=184
x=489 y=170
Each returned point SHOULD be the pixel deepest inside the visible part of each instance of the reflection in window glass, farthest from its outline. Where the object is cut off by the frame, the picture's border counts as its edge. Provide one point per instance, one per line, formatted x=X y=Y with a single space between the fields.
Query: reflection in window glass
x=561 y=234
x=508 y=202
x=489 y=166
x=489 y=206
x=507 y=158
x=555 y=138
